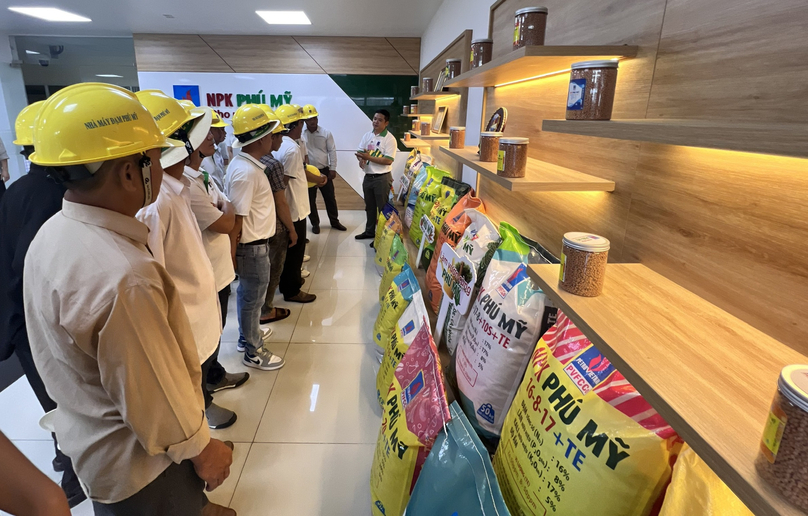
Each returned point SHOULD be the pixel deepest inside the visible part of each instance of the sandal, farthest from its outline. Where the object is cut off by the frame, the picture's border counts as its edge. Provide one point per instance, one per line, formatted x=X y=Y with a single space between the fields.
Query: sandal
x=280 y=314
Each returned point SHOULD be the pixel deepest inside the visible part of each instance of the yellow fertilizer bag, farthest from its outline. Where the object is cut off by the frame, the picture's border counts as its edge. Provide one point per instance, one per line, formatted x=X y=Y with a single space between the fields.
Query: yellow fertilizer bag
x=578 y=438
x=407 y=327
x=391 y=228
x=414 y=412
x=696 y=491
x=394 y=303
x=393 y=265
x=381 y=220
x=426 y=199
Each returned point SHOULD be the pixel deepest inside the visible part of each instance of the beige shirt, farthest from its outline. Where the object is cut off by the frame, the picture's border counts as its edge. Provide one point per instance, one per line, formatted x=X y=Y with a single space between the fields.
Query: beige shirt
x=113 y=345
x=176 y=242
x=249 y=191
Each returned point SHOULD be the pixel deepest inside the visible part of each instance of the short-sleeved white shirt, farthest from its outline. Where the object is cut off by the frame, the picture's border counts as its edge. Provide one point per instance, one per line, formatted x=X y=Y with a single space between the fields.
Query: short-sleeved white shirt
x=204 y=203
x=379 y=145
x=176 y=242
x=297 y=193
x=249 y=191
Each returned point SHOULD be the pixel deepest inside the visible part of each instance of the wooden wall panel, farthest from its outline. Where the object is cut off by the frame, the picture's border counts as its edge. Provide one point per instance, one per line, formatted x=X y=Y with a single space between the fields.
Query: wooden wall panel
x=410 y=50
x=355 y=55
x=176 y=53
x=263 y=54
x=733 y=61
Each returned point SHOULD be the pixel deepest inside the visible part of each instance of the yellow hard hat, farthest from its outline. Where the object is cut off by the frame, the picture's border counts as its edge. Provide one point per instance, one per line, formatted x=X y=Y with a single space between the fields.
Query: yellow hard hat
x=24 y=126
x=309 y=111
x=193 y=133
x=92 y=123
x=169 y=114
x=266 y=108
x=187 y=104
x=288 y=114
x=312 y=170
x=216 y=120
x=251 y=123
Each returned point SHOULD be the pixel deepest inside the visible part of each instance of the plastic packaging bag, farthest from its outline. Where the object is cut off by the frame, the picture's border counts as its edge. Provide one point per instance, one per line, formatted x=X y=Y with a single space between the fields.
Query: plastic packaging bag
x=579 y=439
x=499 y=337
x=458 y=464
x=414 y=412
x=400 y=339
x=696 y=491
x=452 y=229
x=451 y=191
x=381 y=220
x=426 y=198
x=391 y=228
x=393 y=304
x=415 y=188
x=393 y=265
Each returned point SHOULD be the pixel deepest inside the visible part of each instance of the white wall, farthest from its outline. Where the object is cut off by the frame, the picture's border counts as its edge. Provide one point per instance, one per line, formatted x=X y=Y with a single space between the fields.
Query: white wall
x=452 y=18
x=12 y=100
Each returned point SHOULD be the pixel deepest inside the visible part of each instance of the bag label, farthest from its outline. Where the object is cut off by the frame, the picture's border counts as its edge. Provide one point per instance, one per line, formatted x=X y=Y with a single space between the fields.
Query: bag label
x=589 y=369
x=575 y=97
x=518 y=276
x=500 y=161
x=773 y=433
x=562 y=272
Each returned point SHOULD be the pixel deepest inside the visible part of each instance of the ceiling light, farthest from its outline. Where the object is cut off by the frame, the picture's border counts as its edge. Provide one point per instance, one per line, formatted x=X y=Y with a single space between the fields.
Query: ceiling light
x=31 y=53
x=110 y=75
x=284 y=17
x=49 y=14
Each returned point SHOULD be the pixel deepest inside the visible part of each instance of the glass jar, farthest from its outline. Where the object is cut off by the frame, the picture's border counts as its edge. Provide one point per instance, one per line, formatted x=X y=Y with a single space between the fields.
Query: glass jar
x=452 y=68
x=529 y=26
x=407 y=137
x=426 y=128
x=591 y=92
x=784 y=444
x=406 y=110
x=583 y=264
x=415 y=124
x=481 y=51
x=457 y=137
x=489 y=146
x=413 y=109
x=427 y=84
x=512 y=157
x=413 y=91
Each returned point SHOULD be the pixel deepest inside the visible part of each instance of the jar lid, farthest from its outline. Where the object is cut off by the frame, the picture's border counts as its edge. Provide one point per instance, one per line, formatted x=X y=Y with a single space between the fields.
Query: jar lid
x=586 y=242
x=453 y=60
x=482 y=40
x=793 y=383
x=532 y=10
x=515 y=141
x=491 y=134
x=458 y=128
x=603 y=63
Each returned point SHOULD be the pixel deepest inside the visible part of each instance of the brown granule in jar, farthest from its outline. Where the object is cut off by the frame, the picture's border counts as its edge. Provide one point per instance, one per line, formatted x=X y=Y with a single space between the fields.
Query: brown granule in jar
x=489 y=146
x=583 y=264
x=512 y=157
x=591 y=91
x=789 y=470
x=426 y=128
x=457 y=137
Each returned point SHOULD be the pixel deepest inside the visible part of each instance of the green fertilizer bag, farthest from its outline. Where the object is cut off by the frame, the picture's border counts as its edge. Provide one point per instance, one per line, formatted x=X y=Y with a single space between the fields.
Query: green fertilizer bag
x=426 y=199
x=393 y=304
x=393 y=266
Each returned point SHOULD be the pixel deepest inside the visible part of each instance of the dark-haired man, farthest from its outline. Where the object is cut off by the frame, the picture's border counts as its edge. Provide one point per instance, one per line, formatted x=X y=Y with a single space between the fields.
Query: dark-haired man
x=377 y=150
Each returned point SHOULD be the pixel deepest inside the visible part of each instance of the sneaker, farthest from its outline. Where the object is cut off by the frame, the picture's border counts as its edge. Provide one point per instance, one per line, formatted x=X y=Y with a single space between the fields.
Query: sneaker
x=229 y=381
x=241 y=347
x=219 y=417
x=304 y=273
x=263 y=360
x=306 y=258
x=266 y=333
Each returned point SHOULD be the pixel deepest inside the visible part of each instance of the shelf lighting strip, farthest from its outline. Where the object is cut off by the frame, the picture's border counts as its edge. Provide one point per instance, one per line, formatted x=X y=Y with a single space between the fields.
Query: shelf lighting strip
x=549 y=74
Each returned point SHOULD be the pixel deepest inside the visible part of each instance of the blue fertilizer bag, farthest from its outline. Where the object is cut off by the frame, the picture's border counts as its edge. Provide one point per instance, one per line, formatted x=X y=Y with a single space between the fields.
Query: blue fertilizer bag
x=457 y=477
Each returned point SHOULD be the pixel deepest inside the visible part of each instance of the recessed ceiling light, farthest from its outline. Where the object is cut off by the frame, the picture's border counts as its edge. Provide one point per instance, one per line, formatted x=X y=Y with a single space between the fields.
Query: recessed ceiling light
x=31 y=53
x=49 y=14
x=110 y=75
x=284 y=17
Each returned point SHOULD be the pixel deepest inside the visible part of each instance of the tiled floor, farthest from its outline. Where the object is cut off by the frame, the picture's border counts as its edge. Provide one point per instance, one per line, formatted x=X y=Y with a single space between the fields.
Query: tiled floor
x=305 y=434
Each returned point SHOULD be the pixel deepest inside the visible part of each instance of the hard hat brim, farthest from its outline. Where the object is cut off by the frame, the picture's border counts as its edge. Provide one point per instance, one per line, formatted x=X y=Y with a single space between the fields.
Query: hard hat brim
x=166 y=143
x=238 y=145
x=202 y=119
x=22 y=143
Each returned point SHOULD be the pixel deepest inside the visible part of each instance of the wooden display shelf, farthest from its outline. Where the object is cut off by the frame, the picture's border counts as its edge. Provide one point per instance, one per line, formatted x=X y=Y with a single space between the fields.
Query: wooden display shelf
x=416 y=115
x=535 y=61
x=766 y=138
x=540 y=176
x=710 y=375
x=415 y=144
x=435 y=95
x=433 y=136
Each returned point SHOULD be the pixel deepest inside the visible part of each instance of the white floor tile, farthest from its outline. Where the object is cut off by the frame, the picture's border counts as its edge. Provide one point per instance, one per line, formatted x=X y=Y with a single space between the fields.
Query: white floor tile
x=305 y=479
x=338 y=316
x=324 y=394
x=346 y=273
x=20 y=412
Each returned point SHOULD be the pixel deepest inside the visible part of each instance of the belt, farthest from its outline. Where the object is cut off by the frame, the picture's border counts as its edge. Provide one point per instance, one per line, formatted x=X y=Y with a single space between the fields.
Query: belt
x=258 y=242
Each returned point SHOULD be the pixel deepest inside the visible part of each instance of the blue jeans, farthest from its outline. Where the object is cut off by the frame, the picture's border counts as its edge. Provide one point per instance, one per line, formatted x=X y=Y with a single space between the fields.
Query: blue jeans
x=252 y=265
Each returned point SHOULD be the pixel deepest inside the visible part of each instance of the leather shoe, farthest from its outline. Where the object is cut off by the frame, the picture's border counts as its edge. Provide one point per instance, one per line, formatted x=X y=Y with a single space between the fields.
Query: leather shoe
x=301 y=297
x=212 y=509
x=315 y=230
x=365 y=236
x=339 y=227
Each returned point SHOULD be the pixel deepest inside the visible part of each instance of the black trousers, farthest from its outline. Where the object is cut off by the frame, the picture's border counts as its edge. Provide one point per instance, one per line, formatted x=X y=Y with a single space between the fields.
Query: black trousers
x=177 y=491
x=212 y=371
x=376 y=188
x=329 y=198
x=290 y=277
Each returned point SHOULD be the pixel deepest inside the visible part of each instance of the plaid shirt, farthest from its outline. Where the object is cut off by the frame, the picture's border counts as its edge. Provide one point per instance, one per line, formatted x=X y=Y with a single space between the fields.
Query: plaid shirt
x=274 y=173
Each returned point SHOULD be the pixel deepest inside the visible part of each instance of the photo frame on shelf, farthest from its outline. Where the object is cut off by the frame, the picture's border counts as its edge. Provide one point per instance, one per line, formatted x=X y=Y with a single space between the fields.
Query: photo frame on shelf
x=441 y=81
x=438 y=119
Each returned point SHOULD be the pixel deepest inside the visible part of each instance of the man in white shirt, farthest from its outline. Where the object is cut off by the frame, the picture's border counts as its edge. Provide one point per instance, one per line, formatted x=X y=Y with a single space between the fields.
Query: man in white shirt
x=377 y=150
x=176 y=241
x=322 y=153
x=216 y=164
x=297 y=195
x=107 y=327
x=251 y=195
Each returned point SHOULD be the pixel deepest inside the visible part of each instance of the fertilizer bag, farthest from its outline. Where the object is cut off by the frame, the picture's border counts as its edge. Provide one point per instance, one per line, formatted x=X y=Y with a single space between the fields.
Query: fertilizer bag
x=381 y=220
x=415 y=188
x=394 y=304
x=396 y=259
x=426 y=198
x=391 y=228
